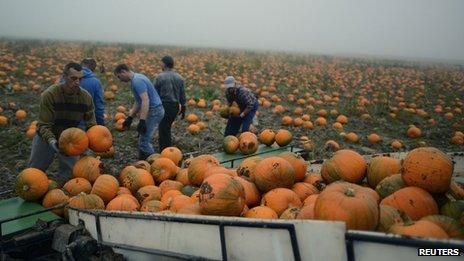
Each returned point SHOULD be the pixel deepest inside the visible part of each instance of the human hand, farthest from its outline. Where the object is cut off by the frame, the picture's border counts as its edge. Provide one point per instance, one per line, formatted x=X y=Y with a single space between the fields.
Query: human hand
x=142 y=127
x=54 y=145
x=242 y=115
x=182 y=111
x=127 y=123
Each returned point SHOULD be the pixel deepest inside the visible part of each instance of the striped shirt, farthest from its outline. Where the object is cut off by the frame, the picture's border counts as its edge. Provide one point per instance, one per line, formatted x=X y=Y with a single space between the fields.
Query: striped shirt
x=60 y=110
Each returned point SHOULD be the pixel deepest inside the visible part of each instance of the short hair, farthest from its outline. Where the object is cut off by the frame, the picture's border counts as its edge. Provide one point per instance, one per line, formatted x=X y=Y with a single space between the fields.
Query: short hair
x=121 y=67
x=168 y=61
x=89 y=63
x=71 y=65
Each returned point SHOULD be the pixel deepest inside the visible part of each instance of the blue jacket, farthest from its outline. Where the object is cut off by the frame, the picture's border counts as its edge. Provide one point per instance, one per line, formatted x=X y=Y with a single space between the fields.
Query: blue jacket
x=93 y=86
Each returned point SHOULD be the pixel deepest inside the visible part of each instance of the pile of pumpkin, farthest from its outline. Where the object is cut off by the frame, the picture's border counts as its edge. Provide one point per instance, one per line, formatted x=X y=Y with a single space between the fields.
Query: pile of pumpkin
x=414 y=197
x=248 y=142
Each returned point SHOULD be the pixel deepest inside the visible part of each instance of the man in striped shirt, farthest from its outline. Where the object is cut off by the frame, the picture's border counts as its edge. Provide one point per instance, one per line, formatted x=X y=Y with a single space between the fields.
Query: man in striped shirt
x=247 y=103
x=62 y=106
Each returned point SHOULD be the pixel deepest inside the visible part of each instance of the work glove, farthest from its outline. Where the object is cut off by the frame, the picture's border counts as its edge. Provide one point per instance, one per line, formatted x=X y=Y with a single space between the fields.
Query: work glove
x=54 y=145
x=142 y=127
x=127 y=123
x=182 y=112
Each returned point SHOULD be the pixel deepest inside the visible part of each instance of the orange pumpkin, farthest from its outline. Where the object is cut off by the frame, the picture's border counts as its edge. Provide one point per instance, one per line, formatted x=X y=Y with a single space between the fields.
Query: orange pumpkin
x=252 y=196
x=182 y=177
x=283 y=137
x=123 y=203
x=428 y=168
x=135 y=179
x=390 y=216
x=152 y=206
x=306 y=212
x=267 y=137
x=163 y=169
x=451 y=226
x=279 y=199
x=142 y=164
x=222 y=195
x=248 y=143
x=87 y=167
x=348 y=202
x=173 y=154
x=167 y=185
x=148 y=193
x=190 y=209
x=247 y=166
x=106 y=187
x=230 y=144
x=31 y=184
x=273 y=172
x=421 y=228
x=169 y=195
x=389 y=185
x=298 y=163
x=380 y=168
x=198 y=166
x=347 y=165
x=76 y=186
x=73 y=141
x=414 y=201
x=55 y=197
x=261 y=212
x=290 y=213
x=304 y=190
x=100 y=138
x=179 y=202
x=86 y=201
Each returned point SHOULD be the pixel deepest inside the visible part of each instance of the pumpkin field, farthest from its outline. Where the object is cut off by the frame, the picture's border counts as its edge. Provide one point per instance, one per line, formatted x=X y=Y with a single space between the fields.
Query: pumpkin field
x=334 y=108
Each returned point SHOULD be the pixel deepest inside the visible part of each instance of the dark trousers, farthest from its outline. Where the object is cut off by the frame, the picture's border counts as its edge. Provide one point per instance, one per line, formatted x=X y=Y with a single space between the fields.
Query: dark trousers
x=170 y=113
x=234 y=123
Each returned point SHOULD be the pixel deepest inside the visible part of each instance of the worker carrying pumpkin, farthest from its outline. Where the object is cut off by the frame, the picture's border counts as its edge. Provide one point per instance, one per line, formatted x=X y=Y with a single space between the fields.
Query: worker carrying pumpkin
x=246 y=101
x=147 y=106
x=63 y=105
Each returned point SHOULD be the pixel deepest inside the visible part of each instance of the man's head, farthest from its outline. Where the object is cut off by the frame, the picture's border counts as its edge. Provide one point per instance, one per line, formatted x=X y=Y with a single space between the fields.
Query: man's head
x=123 y=72
x=229 y=81
x=89 y=63
x=72 y=73
x=168 y=62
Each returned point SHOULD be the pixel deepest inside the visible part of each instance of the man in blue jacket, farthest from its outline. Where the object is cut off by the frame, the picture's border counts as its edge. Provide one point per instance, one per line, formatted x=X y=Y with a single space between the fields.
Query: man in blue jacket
x=94 y=87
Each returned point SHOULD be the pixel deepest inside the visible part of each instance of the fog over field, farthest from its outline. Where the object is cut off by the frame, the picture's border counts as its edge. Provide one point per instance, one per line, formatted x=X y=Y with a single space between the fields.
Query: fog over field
x=415 y=29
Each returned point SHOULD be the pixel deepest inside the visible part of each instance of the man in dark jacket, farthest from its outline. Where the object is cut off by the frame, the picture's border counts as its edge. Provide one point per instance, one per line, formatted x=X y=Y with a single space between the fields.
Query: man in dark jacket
x=93 y=86
x=170 y=87
x=247 y=103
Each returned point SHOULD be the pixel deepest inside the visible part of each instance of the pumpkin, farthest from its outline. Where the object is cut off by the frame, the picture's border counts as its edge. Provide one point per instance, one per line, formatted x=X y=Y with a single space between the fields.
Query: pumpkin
x=123 y=203
x=252 y=195
x=389 y=185
x=283 y=137
x=77 y=185
x=380 y=168
x=152 y=206
x=123 y=190
x=273 y=172
x=148 y=193
x=267 y=137
x=261 y=212
x=310 y=200
x=167 y=185
x=453 y=209
x=134 y=179
x=152 y=158
x=374 y=138
x=413 y=132
x=390 y=216
x=451 y=226
x=179 y=202
x=106 y=187
x=427 y=168
x=100 y=138
x=173 y=154
x=421 y=228
x=142 y=164
x=222 y=195
x=55 y=197
x=182 y=177
x=316 y=180
x=73 y=141
x=163 y=169
x=247 y=166
x=350 y=203
x=219 y=169
x=86 y=201
x=347 y=165
x=279 y=199
x=248 y=143
x=298 y=163
x=31 y=184
x=306 y=212
x=190 y=209
x=290 y=213
x=198 y=166
x=414 y=201
x=106 y=154
x=304 y=190
x=230 y=144
x=88 y=168
x=456 y=190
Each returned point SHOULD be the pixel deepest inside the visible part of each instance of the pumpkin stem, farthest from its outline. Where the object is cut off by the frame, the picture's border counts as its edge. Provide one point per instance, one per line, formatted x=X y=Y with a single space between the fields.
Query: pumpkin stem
x=349 y=192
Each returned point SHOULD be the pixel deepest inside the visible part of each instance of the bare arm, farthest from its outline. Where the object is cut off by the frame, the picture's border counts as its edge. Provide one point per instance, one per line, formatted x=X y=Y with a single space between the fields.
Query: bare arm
x=134 y=110
x=144 y=106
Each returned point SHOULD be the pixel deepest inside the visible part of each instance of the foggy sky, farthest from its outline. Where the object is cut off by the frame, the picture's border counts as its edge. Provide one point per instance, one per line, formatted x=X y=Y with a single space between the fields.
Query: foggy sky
x=390 y=28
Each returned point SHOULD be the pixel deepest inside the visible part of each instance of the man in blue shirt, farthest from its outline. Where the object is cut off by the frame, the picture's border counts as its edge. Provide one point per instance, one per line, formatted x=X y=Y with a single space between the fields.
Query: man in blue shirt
x=93 y=86
x=147 y=105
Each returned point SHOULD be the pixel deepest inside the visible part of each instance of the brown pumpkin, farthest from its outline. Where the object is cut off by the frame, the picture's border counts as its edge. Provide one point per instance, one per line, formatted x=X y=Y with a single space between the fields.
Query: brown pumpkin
x=298 y=163
x=348 y=202
x=390 y=216
x=273 y=172
x=152 y=206
x=290 y=213
x=73 y=141
x=173 y=154
x=198 y=166
x=221 y=194
x=267 y=137
x=106 y=187
x=230 y=144
x=53 y=198
x=283 y=137
x=414 y=201
x=428 y=168
x=451 y=226
x=279 y=199
x=100 y=138
x=261 y=212
x=88 y=168
x=389 y=185
x=347 y=165
x=134 y=179
x=76 y=186
x=31 y=184
x=148 y=193
x=142 y=164
x=163 y=169
x=380 y=168
x=421 y=228
x=86 y=201
x=248 y=143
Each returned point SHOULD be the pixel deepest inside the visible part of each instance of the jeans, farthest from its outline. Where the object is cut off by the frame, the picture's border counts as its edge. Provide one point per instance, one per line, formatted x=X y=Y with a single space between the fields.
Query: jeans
x=171 y=110
x=234 y=123
x=42 y=156
x=154 y=117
